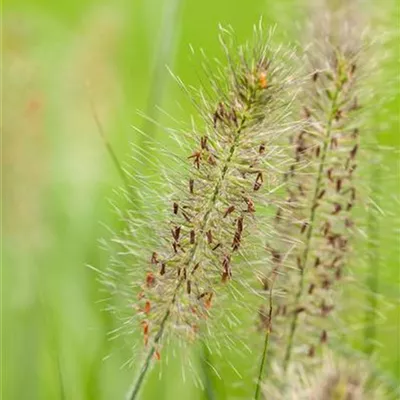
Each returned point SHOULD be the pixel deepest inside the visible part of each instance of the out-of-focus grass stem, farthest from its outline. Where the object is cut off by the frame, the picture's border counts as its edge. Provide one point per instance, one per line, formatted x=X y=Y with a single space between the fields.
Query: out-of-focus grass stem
x=164 y=55
x=266 y=341
x=107 y=144
x=373 y=264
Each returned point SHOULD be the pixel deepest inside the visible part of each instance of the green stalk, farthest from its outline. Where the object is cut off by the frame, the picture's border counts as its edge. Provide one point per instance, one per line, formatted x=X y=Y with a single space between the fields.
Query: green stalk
x=262 y=364
x=139 y=381
x=164 y=55
x=264 y=356
x=109 y=148
x=373 y=270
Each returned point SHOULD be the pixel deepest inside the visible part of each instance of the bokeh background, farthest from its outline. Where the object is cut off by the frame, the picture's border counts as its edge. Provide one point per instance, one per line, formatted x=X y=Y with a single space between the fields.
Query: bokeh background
x=58 y=57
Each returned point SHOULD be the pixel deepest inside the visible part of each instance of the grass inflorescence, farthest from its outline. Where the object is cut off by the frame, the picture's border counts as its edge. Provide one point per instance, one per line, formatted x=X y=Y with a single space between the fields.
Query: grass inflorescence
x=211 y=226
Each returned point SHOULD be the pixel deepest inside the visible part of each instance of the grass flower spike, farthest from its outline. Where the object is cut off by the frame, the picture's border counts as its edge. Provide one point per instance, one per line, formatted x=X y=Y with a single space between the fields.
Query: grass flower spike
x=314 y=225
x=330 y=145
x=210 y=228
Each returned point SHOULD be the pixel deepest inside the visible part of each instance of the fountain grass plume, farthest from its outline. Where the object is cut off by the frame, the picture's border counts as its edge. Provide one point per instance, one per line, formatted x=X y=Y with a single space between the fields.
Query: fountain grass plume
x=314 y=225
x=197 y=230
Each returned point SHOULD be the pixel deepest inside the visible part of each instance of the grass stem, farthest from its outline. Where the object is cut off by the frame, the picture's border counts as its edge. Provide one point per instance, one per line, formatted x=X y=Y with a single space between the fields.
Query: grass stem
x=262 y=365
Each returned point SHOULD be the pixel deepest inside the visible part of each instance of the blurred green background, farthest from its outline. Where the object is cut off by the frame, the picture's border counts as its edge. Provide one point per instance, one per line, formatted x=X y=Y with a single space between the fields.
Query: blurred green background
x=58 y=177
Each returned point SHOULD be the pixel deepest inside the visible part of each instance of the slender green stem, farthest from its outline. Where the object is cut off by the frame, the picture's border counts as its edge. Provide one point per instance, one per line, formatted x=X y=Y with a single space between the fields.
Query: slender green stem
x=373 y=270
x=313 y=214
x=266 y=339
x=136 y=387
x=262 y=365
x=164 y=55
x=109 y=148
